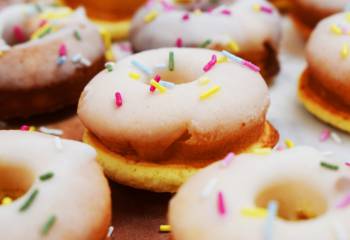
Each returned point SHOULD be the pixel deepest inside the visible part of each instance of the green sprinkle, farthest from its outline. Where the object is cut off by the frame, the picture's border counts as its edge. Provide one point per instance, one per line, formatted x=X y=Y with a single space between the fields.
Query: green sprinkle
x=171 y=65
x=46 y=176
x=329 y=166
x=46 y=32
x=77 y=35
x=29 y=201
x=48 y=225
x=205 y=44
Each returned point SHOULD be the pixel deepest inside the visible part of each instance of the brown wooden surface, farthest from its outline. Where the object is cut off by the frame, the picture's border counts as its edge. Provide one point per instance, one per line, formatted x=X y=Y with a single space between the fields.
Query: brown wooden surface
x=136 y=214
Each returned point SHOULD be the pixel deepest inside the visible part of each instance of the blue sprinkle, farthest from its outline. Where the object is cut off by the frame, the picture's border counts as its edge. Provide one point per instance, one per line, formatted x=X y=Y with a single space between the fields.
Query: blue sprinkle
x=142 y=67
x=61 y=60
x=272 y=213
x=232 y=57
x=167 y=84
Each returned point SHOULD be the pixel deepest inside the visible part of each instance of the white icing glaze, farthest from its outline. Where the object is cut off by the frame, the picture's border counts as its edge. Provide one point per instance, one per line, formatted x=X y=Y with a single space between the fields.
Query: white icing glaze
x=43 y=53
x=78 y=193
x=152 y=122
x=324 y=56
x=194 y=217
x=250 y=29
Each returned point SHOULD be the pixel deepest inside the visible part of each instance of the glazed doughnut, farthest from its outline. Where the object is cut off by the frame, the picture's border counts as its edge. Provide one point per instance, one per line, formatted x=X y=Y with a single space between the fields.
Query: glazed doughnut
x=325 y=84
x=248 y=28
x=154 y=137
x=294 y=194
x=58 y=189
x=50 y=70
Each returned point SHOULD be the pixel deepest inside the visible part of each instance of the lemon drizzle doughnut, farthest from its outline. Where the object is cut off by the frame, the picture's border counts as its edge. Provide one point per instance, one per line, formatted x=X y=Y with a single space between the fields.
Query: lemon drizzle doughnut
x=65 y=195
x=251 y=29
x=294 y=194
x=51 y=58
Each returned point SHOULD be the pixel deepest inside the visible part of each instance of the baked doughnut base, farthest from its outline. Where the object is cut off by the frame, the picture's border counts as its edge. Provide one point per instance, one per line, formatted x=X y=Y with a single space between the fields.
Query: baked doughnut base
x=283 y=5
x=304 y=29
x=157 y=177
x=321 y=106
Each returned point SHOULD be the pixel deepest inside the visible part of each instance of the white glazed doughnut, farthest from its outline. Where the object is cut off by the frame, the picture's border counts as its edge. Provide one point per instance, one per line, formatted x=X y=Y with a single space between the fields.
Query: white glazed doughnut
x=71 y=189
x=228 y=201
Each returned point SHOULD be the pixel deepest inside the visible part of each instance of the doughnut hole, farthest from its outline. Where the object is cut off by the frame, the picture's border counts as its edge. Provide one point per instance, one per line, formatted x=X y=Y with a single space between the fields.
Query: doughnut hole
x=15 y=181
x=297 y=201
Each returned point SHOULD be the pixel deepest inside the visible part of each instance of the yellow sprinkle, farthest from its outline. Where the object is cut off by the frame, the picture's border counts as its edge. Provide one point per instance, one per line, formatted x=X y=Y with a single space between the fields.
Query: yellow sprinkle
x=159 y=87
x=197 y=12
x=109 y=55
x=164 y=228
x=6 y=201
x=254 y=212
x=210 y=92
x=134 y=75
x=289 y=143
x=262 y=151
x=256 y=7
x=106 y=36
x=204 y=81
x=56 y=14
x=151 y=16
x=345 y=51
x=233 y=46
x=222 y=59
x=336 y=29
x=1 y=53
x=348 y=16
x=40 y=31
x=32 y=129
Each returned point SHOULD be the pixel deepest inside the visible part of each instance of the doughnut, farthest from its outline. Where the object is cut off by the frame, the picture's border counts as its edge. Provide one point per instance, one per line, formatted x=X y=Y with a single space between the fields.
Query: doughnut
x=47 y=55
x=113 y=15
x=158 y=116
x=325 y=84
x=57 y=192
x=250 y=29
x=293 y=194
x=282 y=5
x=307 y=13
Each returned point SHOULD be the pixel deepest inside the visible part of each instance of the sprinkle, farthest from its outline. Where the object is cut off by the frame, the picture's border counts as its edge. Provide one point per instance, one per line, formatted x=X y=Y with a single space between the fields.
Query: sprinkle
x=329 y=166
x=109 y=55
x=61 y=60
x=348 y=14
x=118 y=99
x=41 y=32
x=171 y=64
x=289 y=143
x=325 y=135
x=233 y=46
x=76 y=58
x=254 y=212
x=159 y=87
x=262 y=151
x=210 y=64
x=29 y=201
x=109 y=66
x=157 y=79
x=344 y=202
x=164 y=228
x=62 y=50
x=24 y=128
x=167 y=84
x=209 y=188
x=271 y=216
x=179 y=42
x=86 y=62
x=340 y=231
x=6 y=201
x=167 y=6
x=261 y=8
x=344 y=53
x=32 y=129
x=58 y=143
x=221 y=204
x=228 y=159
x=210 y=92
x=134 y=75
x=222 y=59
x=77 y=35
x=226 y=12
x=151 y=16
x=203 y=81
x=46 y=176
x=205 y=44
x=241 y=61
x=347 y=164
x=280 y=148
x=336 y=138
x=57 y=132
x=142 y=67
x=19 y=34
x=110 y=231
x=186 y=17
x=57 y=14
x=336 y=29
x=48 y=225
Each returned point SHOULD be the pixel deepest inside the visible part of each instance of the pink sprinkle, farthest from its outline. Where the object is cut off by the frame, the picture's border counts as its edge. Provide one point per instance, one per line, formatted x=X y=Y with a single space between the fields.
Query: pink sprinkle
x=157 y=79
x=226 y=12
x=42 y=22
x=345 y=202
x=125 y=47
x=325 y=135
x=221 y=204
x=266 y=9
x=167 y=6
x=62 y=51
x=185 y=17
x=24 y=128
x=347 y=164
x=210 y=64
x=280 y=148
x=210 y=9
x=179 y=42
x=252 y=66
x=228 y=159
x=18 y=33
x=118 y=99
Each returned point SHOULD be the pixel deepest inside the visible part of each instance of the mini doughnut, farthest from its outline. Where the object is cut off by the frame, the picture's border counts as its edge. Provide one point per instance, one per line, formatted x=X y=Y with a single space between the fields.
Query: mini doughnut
x=325 y=84
x=248 y=28
x=289 y=195
x=153 y=126
x=58 y=189
x=49 y=71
